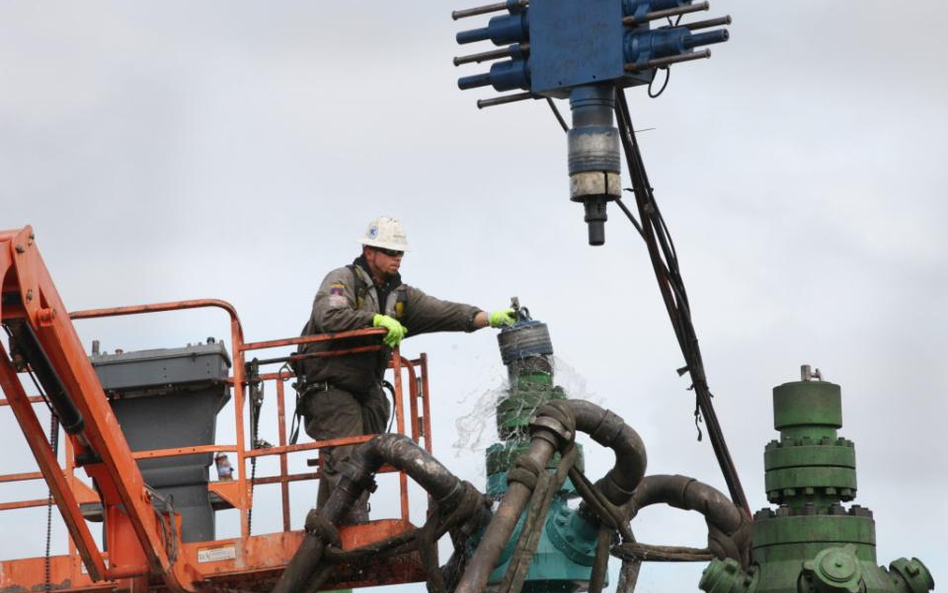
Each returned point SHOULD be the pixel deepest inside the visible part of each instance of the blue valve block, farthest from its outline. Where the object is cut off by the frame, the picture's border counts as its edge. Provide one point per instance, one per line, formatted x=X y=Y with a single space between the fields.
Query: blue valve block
x=580 y=42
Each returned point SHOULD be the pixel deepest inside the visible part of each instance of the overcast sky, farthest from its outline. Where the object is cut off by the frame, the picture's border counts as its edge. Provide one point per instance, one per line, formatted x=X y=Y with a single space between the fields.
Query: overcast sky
x=237 y=150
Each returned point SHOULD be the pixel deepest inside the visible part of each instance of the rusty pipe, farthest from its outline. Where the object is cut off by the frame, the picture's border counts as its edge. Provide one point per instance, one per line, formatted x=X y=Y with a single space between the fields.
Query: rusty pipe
x=689 y=494
x=609 y=430
x=502 y=525
x=308 y=556
x=728 y=527
x=357 y=471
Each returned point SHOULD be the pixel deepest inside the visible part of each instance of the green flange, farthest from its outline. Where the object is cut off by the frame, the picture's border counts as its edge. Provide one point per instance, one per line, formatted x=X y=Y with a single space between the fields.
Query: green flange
x=790 y=481
x=572 y=535
x=840 y=453
x=828 y=529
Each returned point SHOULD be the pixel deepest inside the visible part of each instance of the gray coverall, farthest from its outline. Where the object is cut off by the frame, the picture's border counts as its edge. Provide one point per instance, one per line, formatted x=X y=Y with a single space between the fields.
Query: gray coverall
x=343 y=396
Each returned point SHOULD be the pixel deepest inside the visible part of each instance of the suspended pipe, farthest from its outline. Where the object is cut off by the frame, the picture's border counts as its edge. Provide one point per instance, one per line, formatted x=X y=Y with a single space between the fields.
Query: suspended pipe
x=553 y=428
x=357 y=472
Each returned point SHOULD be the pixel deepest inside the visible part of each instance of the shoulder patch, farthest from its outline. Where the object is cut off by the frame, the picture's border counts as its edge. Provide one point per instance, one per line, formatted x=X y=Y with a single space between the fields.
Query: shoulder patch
x=337 y=289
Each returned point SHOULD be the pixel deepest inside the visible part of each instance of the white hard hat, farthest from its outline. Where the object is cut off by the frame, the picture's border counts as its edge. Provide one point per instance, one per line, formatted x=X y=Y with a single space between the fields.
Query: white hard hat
x=387 y=233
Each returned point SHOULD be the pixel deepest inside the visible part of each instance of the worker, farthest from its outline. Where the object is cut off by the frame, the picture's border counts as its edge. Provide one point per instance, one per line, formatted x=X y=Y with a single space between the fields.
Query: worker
x=341 y=396
x=225 y=471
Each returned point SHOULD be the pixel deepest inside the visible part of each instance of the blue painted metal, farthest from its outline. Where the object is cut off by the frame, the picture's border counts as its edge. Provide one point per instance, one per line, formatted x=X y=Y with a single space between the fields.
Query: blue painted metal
x=564 y=557
x=510 y=74
x=574 y=43
x=640 y=47
x=500 y=30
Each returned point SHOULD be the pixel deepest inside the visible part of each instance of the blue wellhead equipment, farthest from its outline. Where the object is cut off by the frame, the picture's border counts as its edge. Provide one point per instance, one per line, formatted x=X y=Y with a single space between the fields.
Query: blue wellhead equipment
x=583 y=50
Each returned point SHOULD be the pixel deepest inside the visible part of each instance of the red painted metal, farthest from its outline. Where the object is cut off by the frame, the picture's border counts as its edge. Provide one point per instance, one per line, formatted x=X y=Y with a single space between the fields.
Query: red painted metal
x=35 y=399
x=24 y=504
x=400 y=426
x=312 y=339
x=49 y=467
x=21 y=477
x=284 y=469
x=181 y=451
x=425 y=401
x=140 y=555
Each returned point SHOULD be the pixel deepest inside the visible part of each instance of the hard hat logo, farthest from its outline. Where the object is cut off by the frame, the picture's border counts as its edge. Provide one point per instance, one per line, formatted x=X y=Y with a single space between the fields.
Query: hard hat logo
x=386 y=233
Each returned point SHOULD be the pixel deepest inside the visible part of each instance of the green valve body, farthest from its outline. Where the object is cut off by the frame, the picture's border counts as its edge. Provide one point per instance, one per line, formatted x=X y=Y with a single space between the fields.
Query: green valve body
x=567 y=544
x=811 y=543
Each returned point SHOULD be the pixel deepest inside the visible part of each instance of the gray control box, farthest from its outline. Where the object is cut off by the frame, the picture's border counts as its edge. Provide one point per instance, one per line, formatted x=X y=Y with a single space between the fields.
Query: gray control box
x=164 y=399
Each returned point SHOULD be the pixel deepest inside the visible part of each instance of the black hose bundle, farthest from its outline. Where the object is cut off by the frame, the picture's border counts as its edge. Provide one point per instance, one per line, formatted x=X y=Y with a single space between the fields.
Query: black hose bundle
x=661 y=249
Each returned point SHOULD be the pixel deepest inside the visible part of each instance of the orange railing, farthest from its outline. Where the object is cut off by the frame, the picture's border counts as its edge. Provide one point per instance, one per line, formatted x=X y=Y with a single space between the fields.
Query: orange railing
x=238 y=492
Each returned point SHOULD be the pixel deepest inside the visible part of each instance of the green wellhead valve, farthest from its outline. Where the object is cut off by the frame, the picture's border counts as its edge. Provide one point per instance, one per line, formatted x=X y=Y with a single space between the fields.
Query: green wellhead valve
x=811 y=543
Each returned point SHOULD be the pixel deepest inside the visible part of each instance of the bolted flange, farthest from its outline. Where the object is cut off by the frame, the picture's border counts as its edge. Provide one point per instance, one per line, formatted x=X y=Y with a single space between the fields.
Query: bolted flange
x=833 y=570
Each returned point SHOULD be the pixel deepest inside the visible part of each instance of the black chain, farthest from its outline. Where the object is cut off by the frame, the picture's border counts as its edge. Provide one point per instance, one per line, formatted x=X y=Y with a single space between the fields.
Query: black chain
x=256 y=402
x=54 y=445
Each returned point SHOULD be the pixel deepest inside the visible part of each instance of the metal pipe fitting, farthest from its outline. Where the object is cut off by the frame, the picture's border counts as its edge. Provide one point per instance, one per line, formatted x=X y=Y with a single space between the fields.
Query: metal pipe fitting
x=511 y=5
x=610 y=430
x=728 y=527
x=689 y=494
x=593 y=155
x=593 y=141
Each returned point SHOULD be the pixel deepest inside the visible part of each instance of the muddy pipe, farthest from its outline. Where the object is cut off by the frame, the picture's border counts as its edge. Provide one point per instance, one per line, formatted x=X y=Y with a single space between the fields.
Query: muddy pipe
x=554 y=427
x=728 y=526
x=357 y=472
x=610 y=430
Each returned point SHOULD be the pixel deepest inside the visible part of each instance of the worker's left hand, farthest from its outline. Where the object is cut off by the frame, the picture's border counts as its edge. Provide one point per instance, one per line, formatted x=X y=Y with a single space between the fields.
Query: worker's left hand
x=502 y=318
x=396 y=331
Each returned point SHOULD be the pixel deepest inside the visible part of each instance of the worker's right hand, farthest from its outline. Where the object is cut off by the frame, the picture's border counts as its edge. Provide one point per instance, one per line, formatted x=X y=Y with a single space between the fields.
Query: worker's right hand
x=396 y=331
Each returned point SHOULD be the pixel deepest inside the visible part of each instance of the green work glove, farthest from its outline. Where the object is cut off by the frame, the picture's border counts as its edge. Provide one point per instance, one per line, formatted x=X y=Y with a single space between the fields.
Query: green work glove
x=502 y=318
x=396 y=331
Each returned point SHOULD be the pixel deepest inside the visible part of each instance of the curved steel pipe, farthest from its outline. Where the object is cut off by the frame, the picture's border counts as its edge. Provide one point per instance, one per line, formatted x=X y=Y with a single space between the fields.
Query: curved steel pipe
x=610 y=430
x=396 y=450
x=728 y=528
x=607 y=429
